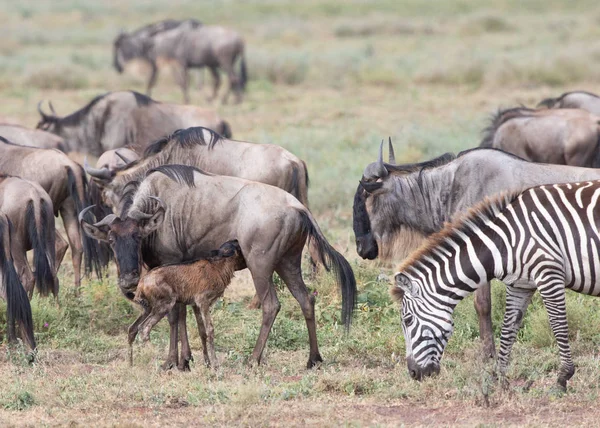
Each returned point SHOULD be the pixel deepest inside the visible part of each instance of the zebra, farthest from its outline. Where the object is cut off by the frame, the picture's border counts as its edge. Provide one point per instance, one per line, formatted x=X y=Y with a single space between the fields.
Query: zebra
x=545 y=238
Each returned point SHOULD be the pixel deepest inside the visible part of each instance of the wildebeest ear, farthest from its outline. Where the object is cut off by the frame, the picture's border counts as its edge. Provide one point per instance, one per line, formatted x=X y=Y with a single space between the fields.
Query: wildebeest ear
x=153 y=222
x=99 y=233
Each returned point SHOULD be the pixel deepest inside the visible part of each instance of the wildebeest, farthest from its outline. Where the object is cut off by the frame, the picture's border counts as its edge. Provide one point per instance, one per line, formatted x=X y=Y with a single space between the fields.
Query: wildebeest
x=397 y=206
x=32 y=137
x=179 y=213
x=18 y=309
x=113 y=160
x=562 y=136
x=138 y=44
x=576 y=99
x=209 y=46
x=31 y=213
x=198 y=282
x=66 y=184
x=207 y=150
x=127 y=118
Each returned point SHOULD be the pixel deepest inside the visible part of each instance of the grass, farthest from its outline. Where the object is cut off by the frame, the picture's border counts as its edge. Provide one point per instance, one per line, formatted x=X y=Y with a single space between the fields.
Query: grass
x=329 y=80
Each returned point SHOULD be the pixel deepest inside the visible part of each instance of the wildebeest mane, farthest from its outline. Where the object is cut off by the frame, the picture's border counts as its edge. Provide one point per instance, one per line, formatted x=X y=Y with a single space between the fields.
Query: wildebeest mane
x=181 y=174
x=477 y=216
x=498 y=119
x=143 y=100
x=474 y=149
x=551 y=102
x=76 y=117
x=165 y=25
x=419 y=166
x=186 y=138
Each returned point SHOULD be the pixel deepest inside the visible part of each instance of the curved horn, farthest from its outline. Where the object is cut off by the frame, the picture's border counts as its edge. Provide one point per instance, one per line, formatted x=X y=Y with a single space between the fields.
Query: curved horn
x=123 y=158
x=392 y=155
x=381 y=169
x=109 y=219
x=83 y=212
x=39 y=108
x=52 y=108
x=101 y=173
x=139 y=215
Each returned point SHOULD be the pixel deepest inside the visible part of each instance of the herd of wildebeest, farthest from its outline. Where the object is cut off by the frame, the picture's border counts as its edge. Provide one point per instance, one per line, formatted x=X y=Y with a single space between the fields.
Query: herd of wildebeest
x=179 y=206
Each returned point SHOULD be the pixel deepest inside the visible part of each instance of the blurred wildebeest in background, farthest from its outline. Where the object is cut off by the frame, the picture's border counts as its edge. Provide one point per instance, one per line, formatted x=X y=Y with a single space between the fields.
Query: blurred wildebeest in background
x=31 y=213
x=576 y=99
x=65 y=182
x=32 y=137
x=179 y=213
x=138 y=44
x=126 y=118
x=18 y=309
x=561 y=136
x=214 y=47
x=397 y=206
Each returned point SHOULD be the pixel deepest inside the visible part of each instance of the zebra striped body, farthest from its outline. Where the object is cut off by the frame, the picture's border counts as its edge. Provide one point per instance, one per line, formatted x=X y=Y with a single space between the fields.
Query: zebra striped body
x=545 y=238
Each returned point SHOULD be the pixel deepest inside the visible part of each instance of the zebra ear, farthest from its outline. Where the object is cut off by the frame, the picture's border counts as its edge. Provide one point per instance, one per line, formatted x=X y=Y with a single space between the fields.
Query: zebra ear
x=404 y=285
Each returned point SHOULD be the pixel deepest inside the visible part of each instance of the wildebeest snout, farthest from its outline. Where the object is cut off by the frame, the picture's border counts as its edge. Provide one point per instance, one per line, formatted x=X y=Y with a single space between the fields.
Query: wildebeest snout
x=366 y=247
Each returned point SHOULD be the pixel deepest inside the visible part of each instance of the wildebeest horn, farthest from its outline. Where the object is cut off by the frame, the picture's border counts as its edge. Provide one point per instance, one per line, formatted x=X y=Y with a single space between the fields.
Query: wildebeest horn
x=392 y=156
x=123 y=158
x=102 y=173
x=139 y=215
x=83 y=212
x=109 y=219
x=52 y=108
x=381 y=169
x=39 y=108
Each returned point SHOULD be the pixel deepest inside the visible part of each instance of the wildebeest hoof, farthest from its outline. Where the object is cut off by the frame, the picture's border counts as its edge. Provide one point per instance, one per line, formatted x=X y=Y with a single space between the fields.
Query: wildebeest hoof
x=167 y=365
x=314 y=362
x=184 y=366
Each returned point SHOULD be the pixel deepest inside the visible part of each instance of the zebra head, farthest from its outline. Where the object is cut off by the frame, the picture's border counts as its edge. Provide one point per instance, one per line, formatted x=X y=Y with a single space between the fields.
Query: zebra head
x=426 y=325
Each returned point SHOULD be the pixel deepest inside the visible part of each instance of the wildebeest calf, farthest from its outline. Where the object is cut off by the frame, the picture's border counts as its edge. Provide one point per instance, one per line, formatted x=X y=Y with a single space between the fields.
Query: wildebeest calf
x=199 y=283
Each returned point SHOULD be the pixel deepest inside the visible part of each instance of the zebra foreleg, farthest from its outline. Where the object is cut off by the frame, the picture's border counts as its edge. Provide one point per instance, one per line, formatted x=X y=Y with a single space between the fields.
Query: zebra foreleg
x=517 y=301
x=554 y=298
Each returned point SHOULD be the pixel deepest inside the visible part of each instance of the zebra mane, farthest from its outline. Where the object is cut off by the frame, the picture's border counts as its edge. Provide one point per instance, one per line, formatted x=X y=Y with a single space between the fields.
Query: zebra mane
x=477 y=216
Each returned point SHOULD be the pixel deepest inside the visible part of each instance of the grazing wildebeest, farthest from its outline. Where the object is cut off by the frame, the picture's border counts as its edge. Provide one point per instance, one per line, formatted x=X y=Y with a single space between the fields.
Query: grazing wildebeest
x=126 y=118
x=576 y=99
x=32 y=137
x=179 y=213
x=397 y=206
x=562 y=136
x=138 y=44
x=209 y=46
x=545 y=238
x=198 y=282
x=207 y=150
x=66 y=184
x=31 y=213
x=18 y=309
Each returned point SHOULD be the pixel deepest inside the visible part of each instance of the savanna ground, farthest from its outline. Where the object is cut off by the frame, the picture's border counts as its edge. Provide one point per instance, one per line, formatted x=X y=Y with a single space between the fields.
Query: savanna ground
x=329 y=80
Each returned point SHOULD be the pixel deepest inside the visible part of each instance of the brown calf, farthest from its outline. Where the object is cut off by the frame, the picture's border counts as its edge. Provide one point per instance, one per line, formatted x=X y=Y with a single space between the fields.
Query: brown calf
x=198 y=283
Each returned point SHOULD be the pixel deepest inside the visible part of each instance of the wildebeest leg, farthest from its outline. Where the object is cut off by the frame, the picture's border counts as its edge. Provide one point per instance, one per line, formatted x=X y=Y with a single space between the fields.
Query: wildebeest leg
x=216 y=82
x=173 y=357
x=182 y=77
x=152 y=80
x=233 y=84
x=263 y=282
x=61 y=249
x=202 y=332
x=289 y=270
x=133 y=331
x=186 y=352
x=483 y=306
x=69 y=217
x=210 y=335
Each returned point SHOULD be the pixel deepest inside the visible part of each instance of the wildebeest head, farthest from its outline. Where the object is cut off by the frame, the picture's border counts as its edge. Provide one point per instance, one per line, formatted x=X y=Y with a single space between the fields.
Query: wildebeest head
x=120 y=49
x=48 y=122
x=370 y=186
x=125 y=238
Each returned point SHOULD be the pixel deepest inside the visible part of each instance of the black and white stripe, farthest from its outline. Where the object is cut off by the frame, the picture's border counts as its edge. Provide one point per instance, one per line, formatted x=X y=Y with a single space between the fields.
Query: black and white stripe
x=546 y=238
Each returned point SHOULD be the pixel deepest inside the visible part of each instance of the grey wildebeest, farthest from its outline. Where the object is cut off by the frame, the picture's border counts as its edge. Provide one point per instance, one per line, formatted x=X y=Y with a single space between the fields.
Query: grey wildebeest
x=31 y=213
x=127 y=118
x=138 y=44
x=397 y=206
x=562 y=136
x=197 y=282
x=179 y=213
x=115 y=159
x=209 y=46
x=32 y=137
x=576 y=99
x=66 y=184
x=18 y=309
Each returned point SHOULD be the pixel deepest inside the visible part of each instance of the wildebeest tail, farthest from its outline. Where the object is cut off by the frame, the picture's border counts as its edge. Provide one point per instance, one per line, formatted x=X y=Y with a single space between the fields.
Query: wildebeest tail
x=91 y=248
x=40 y=230
x=18 y=308
x=243 y=73
x=299 y=183
x=331 y=259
